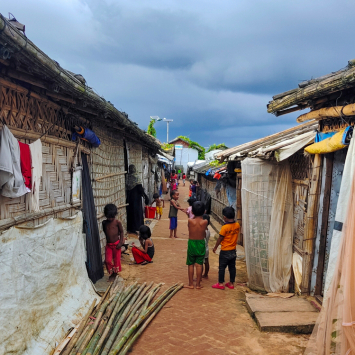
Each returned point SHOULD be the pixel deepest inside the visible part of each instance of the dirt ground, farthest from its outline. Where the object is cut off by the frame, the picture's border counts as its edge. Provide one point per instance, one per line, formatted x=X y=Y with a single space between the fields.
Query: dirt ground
x=206 y=321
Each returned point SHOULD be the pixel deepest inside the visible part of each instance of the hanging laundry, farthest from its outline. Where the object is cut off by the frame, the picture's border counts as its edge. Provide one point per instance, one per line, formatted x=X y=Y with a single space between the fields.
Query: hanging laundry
x=232 y=196
x=11 y=179
x=25 y=157
x=36 y=157
x=87 y=135
x=218 y=186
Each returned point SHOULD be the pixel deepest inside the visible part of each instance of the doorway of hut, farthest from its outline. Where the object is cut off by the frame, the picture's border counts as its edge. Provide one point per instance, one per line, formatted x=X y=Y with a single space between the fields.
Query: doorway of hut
x=332 y=173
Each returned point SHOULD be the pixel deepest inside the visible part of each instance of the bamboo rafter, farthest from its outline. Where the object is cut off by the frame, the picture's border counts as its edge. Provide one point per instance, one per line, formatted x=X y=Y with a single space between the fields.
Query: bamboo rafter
x=110 y=175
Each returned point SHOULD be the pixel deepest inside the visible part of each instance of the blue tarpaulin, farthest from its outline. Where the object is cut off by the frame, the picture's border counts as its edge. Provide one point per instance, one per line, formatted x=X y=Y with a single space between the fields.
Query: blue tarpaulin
x=88 y=135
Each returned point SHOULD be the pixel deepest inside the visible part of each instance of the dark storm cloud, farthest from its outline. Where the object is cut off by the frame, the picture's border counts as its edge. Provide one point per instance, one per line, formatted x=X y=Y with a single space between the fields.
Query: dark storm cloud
x=210 y=66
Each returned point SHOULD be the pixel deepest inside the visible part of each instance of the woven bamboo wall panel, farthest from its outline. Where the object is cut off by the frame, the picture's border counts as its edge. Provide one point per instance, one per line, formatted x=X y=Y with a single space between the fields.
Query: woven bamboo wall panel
x=107 y=159
x=219 y=201
x=145 y=172
x=135 y=157
x=55 y=187
x=22 y=109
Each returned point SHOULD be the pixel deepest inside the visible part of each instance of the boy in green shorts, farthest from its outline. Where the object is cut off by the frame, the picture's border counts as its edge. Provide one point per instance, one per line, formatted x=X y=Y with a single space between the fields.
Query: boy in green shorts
x=196 y=246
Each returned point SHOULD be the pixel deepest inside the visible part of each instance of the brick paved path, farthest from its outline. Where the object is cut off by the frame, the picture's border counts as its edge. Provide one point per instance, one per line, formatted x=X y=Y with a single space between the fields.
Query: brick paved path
x=206 y=321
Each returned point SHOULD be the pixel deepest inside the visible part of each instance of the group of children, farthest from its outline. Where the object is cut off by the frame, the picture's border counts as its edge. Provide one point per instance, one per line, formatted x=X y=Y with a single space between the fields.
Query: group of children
x=115 y=242
x=197 y=251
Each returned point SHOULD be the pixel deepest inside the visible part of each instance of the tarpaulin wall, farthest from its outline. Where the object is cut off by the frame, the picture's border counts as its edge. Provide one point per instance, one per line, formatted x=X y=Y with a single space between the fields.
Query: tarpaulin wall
x=267 y=223
x=43 y=285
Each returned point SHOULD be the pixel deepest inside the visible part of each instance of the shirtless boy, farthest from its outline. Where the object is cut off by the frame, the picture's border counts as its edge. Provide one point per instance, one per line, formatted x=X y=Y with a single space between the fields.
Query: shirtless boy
x=114 y=240
x=196 y=247
x=159 y=204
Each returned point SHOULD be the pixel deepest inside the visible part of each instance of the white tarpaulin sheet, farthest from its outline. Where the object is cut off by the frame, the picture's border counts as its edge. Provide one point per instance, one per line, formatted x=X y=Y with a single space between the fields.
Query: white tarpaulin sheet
x=267 y=223
x=342 y=208
x=43 y=285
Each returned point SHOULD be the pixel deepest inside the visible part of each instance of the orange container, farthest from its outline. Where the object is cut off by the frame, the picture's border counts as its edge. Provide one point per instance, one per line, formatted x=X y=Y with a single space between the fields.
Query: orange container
x=150 y=212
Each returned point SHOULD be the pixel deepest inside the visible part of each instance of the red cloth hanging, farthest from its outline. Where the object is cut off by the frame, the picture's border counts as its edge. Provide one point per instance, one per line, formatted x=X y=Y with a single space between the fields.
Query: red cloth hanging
x=25 y=158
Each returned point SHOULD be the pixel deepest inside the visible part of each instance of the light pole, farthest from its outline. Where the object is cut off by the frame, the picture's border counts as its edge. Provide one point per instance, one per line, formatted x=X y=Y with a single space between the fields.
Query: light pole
x=157 y=118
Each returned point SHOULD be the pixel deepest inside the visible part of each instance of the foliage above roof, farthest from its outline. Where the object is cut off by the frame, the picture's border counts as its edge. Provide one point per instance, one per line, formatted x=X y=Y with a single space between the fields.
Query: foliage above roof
x=195 y=145
x=216 y=146
x=167 y=146
x=151 y=130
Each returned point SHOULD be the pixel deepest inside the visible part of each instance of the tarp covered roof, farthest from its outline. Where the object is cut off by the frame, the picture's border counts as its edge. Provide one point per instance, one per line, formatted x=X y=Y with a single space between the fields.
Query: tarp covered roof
x=264 y=146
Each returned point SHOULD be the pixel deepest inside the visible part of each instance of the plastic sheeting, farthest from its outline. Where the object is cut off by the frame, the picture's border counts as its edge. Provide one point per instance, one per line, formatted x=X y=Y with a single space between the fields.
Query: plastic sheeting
x=334 y=332
x=268 y=223
x=341 y=211
x=43 y=285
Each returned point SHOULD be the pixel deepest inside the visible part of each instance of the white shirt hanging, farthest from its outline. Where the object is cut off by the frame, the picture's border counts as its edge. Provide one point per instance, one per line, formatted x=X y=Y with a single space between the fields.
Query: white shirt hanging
x=11 y=179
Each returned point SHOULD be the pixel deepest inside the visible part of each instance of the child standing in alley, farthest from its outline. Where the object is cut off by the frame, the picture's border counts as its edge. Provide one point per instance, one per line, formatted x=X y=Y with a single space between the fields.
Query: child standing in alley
x=189 y=213
x=196 y=247
x=174 y=208
x=228 y=237
x=114 y=240
x=159 y=204
x=183 y=178
x=207 y=239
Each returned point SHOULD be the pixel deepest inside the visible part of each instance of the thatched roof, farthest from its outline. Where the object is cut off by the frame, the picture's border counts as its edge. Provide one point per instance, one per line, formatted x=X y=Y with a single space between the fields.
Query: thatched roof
x=31 y=66
x=264 y=147
x=316 y=93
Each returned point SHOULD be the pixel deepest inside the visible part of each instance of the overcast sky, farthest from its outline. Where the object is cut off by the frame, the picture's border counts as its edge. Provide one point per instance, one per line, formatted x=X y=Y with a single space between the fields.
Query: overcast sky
x=211 y=66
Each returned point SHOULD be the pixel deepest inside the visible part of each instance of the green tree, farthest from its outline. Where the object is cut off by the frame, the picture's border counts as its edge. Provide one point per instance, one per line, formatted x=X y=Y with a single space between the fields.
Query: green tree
x=192 y=144
x=216 y=146
x=151 y=130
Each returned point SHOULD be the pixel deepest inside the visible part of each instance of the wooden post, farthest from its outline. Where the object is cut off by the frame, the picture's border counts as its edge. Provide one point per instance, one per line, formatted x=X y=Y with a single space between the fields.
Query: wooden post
x=325 y=214
x=310 y=227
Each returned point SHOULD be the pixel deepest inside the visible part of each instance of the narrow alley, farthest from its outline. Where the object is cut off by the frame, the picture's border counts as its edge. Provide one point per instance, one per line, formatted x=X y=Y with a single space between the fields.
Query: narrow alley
x=206 y=321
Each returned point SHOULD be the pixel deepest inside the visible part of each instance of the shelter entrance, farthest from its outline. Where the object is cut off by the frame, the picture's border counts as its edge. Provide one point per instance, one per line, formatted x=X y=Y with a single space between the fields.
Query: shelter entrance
x=333 y=166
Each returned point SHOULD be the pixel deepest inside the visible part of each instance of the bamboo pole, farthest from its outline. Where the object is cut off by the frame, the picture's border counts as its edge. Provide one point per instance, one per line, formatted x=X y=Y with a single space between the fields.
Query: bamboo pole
x=146 y=323
x=135 y=326
x=93 y=328
x=336 y=82
x=59 y=349
x=119 y=324
x=110 y=175
x=22 y=134
x=80 y=329
x=139 y=301
x=337 y=111
x=107 y=329
x=9 y=222
x=310 y=227
x=115 y=330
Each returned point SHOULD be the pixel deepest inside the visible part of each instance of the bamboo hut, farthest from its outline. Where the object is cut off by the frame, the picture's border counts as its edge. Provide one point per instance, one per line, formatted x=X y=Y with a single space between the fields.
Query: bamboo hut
x=45 y=264
x=330 y=99
x=256 y=197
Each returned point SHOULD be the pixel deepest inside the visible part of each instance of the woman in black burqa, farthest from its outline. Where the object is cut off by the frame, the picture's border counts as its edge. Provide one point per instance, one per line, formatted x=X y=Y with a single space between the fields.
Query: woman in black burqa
x=135 y=192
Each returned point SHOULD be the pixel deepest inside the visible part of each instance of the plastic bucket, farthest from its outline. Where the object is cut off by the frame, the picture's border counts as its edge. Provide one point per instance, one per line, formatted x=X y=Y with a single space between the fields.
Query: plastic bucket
x=150 y=212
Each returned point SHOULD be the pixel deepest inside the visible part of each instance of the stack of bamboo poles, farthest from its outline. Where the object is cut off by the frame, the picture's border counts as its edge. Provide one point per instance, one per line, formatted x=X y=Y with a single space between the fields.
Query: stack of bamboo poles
x=117 y=321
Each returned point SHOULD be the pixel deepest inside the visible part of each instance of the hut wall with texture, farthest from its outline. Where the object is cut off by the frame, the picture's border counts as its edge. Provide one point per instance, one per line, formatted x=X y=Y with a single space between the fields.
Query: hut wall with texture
x=218 y=201
x=30 y=117
x=108 y=178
